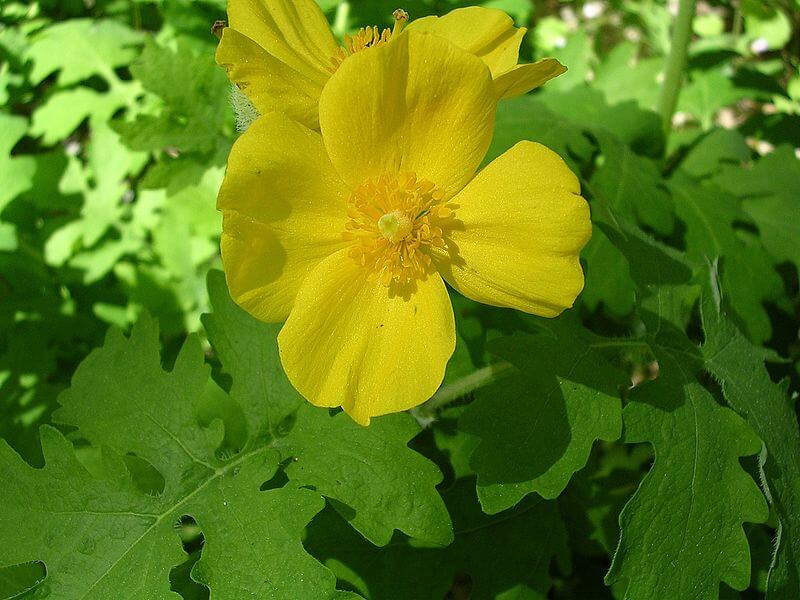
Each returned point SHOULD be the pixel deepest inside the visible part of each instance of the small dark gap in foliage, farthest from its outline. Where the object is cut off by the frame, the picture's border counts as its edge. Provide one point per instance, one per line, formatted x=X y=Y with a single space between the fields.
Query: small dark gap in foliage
x=180 y=576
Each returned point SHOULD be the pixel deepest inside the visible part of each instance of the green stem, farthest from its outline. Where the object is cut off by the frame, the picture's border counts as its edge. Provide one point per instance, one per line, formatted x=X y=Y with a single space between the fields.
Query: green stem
x=737 y=20
x=676 y=62
x=469 y=383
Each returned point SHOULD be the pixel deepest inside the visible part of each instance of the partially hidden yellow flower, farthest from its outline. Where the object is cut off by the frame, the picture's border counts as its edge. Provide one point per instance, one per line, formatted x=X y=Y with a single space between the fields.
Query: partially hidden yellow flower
x=280 y=53
x=350 y=234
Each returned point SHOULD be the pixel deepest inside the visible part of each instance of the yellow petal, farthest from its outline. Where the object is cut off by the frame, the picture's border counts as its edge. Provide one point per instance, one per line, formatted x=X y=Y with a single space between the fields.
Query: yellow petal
x=524 y=78
x=350 y=342
x=270 y=84
x=520 y=226
x=293 y=31
x=488 y=33
x=284 y=211
x=415 y=104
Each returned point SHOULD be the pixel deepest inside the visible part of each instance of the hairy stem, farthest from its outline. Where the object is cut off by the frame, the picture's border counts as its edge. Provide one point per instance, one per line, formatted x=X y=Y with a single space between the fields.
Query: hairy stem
x=676 y=62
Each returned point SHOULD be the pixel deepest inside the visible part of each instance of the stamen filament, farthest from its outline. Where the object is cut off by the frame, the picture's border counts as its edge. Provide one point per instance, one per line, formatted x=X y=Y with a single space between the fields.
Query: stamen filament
x=367 y=37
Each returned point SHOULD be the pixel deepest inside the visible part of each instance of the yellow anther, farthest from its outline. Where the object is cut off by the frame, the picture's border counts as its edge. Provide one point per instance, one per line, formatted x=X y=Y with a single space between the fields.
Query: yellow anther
x=400 y=20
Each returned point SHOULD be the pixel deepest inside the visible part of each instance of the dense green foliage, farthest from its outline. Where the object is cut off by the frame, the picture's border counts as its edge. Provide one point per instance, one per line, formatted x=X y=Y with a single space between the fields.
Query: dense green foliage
x=643 y=445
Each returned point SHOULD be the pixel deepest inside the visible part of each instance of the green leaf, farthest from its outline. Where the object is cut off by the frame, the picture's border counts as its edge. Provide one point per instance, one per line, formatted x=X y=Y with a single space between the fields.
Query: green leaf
x=632 y=185
x=383 y=484
x=527 y=118
x=644 y=262
x=770 y=190
x=538 y=427
x=195 y=107
x=65 y=110
x=504 y=557
x=715 y=150
x=625 y=122
x=376 y=481
x=706 y=94
x=739 y=368
x=100 y=536
x=608 y=277
x=8 y=237
x=163 y=433
x=578 y=54
x=623 y=75
x=682 y=530
x=81 y=48
x=652 y=264
x=248 y=350
x=102 y=182
x=772 y=174
x=748 y=278
x=780 y=235
x=18 y=580
x=595 y=497
x=769 y=24
x=16 y=172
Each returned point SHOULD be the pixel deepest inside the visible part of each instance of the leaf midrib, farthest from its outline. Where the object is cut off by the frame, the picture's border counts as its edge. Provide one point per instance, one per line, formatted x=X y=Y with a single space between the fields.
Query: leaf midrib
x=218 y=472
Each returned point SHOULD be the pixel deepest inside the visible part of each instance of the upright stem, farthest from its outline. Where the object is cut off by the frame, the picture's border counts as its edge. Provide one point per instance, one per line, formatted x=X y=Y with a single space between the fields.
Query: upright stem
x=676 y=62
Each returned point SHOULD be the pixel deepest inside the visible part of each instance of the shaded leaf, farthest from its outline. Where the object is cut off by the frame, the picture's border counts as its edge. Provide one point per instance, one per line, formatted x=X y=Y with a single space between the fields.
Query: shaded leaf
x=505 y=557
x=632 y=185
x=739 y=368
x=527 y=118
x=748 y=278
x=770 y=191
x=681 y=533
x=538 y=427
x=100 y=536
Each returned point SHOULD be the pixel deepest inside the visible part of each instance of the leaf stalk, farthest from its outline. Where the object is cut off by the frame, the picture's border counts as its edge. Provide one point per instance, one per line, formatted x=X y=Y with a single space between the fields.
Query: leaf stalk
x=466 y=385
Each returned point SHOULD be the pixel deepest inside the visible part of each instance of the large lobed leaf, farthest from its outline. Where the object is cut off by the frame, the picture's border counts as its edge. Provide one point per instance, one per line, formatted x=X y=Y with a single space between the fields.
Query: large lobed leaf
x=739 y=368
x=537 y=427
x=505 y=557
x=103 y=537
x=100 y=535
x=681 y=533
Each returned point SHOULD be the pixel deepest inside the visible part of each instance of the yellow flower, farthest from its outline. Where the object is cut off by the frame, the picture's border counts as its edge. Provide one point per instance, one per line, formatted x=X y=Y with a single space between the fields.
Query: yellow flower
x=349 y=233
x=281 y=53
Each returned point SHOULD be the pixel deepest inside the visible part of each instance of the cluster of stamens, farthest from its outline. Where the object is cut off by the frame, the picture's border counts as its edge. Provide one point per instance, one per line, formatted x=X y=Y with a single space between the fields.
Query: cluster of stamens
x=395 y=220
x=367 y=37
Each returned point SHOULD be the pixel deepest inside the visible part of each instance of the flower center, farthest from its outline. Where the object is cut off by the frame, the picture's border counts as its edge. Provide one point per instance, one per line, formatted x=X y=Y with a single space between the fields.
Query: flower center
x=395 y=226
x=367 y=37
x=394 y=221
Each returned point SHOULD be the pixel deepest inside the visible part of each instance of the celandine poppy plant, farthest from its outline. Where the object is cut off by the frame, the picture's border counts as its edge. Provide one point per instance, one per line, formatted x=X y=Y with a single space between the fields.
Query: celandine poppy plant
x=280 y=53
x=348 y=235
